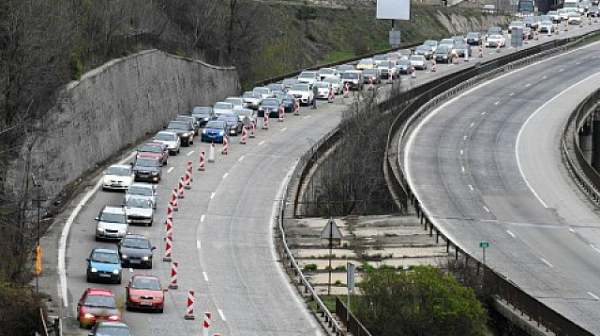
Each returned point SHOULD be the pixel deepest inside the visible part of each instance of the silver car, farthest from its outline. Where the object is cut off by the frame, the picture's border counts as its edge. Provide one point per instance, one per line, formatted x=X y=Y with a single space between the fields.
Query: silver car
x=264 y=92
x=112 y=223
x=222 y=108
x=252 y=99
x=170 y=139
x=139 y=210
x=336 y=83
x=418 y=61
x=141 y=189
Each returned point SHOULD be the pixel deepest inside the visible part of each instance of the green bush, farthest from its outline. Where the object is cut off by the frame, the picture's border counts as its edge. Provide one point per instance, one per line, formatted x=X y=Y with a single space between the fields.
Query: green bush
x=310 y=267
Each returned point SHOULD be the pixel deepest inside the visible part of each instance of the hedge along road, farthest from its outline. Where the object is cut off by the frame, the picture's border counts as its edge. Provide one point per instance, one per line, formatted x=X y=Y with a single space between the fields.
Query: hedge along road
x=222 y=233
x=487 y=166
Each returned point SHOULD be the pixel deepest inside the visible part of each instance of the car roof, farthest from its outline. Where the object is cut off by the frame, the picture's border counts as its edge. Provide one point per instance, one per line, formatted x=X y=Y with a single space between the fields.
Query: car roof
x=145 y=276
x=104 y=250
x=99 y=291
x=119 y=166
x=135 y=235
x=113 y=209
x=113 y=324
x=166 y=132
x=143 y=185
x=153 y=143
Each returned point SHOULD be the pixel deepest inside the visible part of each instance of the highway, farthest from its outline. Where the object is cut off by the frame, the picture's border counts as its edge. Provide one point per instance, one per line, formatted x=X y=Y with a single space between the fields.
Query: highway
x=486 y=166
x=223 y=232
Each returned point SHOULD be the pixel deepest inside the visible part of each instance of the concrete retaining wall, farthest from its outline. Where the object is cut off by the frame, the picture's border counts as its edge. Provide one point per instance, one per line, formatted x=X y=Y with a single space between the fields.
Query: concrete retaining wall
x=117 y=105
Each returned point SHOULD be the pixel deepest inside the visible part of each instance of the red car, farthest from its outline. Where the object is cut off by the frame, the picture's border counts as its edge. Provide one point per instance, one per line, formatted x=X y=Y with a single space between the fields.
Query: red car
x=155 y=150
x=97 y=304
x=145 y=292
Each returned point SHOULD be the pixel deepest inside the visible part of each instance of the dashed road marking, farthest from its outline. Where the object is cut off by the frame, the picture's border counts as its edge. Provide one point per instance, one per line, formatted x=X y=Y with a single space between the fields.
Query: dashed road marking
x=471 y=187
x=486 y=209
x=510 y=94
x=544 y=77
x=201 y=218
x=283 y=129
x=546 y=262
x=212 y=195
x=463 y=169
x=472 y=124
x=190 y=153
x=307 y=117
x=571 y=230
x=225 y=175
x=561 y=70
x=483 y=113
x=464 y=137
x=198 y=244
x=462 y=152
x=511 y=234
x=170 y=169
x=241 y=158
x=222 y=315
x=262 y=142
x=130 y=270
x=496 y=103
x=205 y=276
x=577 y=63
x=528 y=85
x=594 y=296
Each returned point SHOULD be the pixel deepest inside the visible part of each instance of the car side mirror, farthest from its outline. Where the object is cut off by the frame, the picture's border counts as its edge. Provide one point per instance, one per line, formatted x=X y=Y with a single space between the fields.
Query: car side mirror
x=131 y=164
x=97 y=218
x=153 y=248
x=87 y=259
x=129 y=221
x=165 y=289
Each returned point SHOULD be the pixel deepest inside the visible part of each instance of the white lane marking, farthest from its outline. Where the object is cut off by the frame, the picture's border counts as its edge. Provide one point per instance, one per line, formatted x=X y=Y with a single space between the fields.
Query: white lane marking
x=511 y=94
x=464 y=137
x=463 y=169
x=283 y=129
x=170 y=169
x=222 y=315
x=496 y=103
x=472 y=124
x=462 y=152
x=594 y=296
x=511 y=234
x=544 y=77
x=571 y=230
x=198 y=244
x=130 y=270
x=577 y=63
x=262 y=142
x=541 y=108
x=528 y=85
x=546 y=262
x=307 y=117
x=62 y=285
x=486 y=209
x=212 y=195
x=190 y=153
x=561 y=70
x=471 y=187
x=225 y=175
x=241 y=158
x=483 y=113
x=201 y=218
x=205 y=276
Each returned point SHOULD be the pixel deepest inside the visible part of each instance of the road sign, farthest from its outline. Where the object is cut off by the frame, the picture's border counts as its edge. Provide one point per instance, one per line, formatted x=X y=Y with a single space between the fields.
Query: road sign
x=516 y=37
x=350 y=276
x=395 y=37
x=484 y=244
x=331 y=233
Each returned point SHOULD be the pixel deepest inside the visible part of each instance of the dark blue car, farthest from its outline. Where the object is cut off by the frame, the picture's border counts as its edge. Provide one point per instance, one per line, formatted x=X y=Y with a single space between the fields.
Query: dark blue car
x=214 y=131
x=104 y=265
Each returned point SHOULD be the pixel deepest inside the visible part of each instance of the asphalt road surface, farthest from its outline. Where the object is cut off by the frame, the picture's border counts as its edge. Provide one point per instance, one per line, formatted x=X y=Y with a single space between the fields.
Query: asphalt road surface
x=487 y=167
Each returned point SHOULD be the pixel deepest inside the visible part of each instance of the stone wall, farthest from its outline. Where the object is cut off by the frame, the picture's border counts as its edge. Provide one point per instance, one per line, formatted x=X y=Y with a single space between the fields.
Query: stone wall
x=117 y=105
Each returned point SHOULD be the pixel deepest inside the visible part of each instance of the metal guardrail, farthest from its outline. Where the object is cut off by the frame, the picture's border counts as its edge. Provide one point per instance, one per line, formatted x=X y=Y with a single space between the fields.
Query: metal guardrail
x=439 y=91
x=353 y=324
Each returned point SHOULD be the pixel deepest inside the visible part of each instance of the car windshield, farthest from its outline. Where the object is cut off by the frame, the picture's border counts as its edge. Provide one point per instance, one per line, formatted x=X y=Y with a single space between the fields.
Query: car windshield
x=472 y=35
x=326 y=71
x=136 y=243
x=275 y=86
x=405 y=52
x=423 y=48
x=179 y=125
x=223 y=106
x=351 y=75
x=330 y=80
x=262 y=90
x=516 y=23
x=145 y=283
x=136 y=202
x=345 y=67
x=103 y=301
x=366 y=61
x=201 y=115
x=272 y=101
x=545 y=23
x=166 y=137
x=394 y=55
x=235 y=101
x=322 y=85
x=417 y=58
x=112 y=217
x=380 y=57
x=139 y=190
x=215 y=124
x=403 y=62
x=307 y=75
x=552 y=13
x=494 y=30
x=151 y=148
x=370 y=72
x=201 y=110
x=147 y=162
x=442 y=49
x=105 y=257
x=118 y=171
x=447 y=41
x=299 y=87
x=495 y=37
x=250 y=95
x=109 y=330
x=430 y=43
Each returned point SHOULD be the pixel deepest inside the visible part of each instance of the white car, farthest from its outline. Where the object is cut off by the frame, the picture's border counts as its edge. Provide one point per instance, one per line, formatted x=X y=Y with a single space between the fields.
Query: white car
x=546 y=27
x=574 y=19
x=308 y=77
x=335 y=82
x=252 y=99
x=327 y=72
x=263 y=91
x=495 y=40
x=418 y=62
x=238 y=102
x=142 y=189
x=222 y=108
x=139 y=210
x=302 y=92
x=323 y=90
x=170 y=139
x=118 y=177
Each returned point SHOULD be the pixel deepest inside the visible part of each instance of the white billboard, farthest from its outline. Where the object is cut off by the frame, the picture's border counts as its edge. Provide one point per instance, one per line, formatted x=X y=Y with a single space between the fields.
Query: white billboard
x=393 y=9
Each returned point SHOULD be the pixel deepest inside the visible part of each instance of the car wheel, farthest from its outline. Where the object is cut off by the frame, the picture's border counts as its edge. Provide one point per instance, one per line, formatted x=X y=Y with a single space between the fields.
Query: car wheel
x=88 y=278
x=127 y=307
x=166 y=162
x=151 y=222
x=161 y=310
x=81 y=325
x=119 y=280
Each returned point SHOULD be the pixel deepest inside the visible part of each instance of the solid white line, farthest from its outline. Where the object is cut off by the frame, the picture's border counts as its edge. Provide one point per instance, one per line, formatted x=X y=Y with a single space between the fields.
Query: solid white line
x=560 y=70
x=307 y=117
x=571 y=230
x=594 y=296
x=544 y=77
x=486 y=209
x=472 y=124
x=198 y=244
x=212 y=195
x=225 y=175
x=511 y=234
x=283 y=129
x=64 y=235
x=463 y=169
x=462 y=152
x=577 y=63
x=222 y=315
x=130 y=270
x=170 y=169
x=201 y=218
x=528 y=85
x=464 y=137
x=262 y=142
x=205 y=276
x=597 y=249
x=190 y=153
x=241 y=158
x=471 y=187
x=546 y=262
x=483 y=113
